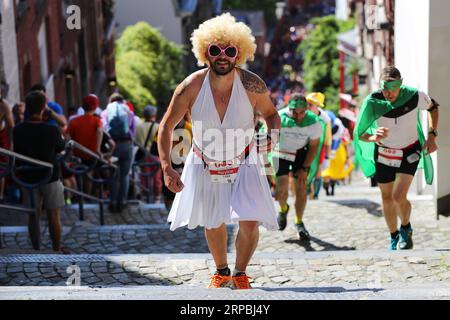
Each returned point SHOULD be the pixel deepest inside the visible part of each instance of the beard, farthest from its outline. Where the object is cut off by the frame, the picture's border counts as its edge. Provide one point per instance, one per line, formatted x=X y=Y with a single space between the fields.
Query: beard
x=222 y=67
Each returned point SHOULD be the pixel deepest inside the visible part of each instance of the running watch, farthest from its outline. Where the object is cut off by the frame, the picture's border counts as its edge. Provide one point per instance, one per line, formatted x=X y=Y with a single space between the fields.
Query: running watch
x=433 y=132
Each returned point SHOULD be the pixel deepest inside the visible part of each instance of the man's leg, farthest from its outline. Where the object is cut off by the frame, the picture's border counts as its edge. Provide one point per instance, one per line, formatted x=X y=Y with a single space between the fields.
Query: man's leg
x=217 y=244
x=246 y=243
x=300 y=200
x=401 y=187
x=54 y=226
x=390 y=211
x=125 y=167
x=282 y=194
x=300 y=205
x=282 y=190
x=389 y=208
x=53 y=196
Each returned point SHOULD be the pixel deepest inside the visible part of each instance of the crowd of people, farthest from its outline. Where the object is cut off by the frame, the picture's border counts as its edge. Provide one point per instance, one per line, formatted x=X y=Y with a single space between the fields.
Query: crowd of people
x=114 y=136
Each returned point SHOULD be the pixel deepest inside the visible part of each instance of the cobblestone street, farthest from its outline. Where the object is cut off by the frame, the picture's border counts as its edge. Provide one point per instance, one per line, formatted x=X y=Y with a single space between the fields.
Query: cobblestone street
x=347 y=256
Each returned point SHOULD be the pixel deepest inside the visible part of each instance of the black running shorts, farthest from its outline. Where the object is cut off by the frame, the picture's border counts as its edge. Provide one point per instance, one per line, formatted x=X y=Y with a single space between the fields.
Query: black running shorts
x=286 y=166
x=409 y=164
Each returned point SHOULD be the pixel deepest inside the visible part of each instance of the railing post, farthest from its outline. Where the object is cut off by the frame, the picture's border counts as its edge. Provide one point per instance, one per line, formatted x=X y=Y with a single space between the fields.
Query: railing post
x=34 y=224
x=81 y=199
x=150 y=188
x=101 y=205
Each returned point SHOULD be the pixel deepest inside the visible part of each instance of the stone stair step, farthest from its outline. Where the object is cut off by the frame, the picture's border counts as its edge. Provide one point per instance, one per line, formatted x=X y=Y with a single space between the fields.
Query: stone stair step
x=369 y=269
x=199 y=293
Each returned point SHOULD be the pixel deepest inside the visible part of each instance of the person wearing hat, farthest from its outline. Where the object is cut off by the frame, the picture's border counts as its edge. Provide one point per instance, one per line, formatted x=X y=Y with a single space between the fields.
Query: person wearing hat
x=145 y=137
x=87 y=130
x=83 y=128
x=298 y=151
x=390 y=145
x=316 y=101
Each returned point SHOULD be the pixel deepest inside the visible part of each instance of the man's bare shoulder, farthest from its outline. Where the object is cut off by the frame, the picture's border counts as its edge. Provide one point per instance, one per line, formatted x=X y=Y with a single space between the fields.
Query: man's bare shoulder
x=192 y=84
x=252 y=82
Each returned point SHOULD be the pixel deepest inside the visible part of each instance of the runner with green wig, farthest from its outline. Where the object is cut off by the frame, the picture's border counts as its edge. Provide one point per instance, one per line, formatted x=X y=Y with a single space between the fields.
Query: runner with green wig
x=298 y=151
x=390 y=145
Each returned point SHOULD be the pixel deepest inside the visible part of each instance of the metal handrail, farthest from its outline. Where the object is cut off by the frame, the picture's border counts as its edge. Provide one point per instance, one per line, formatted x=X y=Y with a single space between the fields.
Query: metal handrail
x=19 y=156
x=13 y=156
x=82 y=171
x=35 y=223
x=89 y=152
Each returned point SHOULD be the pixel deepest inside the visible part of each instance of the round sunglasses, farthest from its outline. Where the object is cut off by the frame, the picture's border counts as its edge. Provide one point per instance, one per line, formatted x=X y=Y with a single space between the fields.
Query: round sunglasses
x=215 y=51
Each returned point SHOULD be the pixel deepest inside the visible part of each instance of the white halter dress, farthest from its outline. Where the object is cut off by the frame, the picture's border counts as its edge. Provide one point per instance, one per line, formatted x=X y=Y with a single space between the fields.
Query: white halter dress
x=210 y=204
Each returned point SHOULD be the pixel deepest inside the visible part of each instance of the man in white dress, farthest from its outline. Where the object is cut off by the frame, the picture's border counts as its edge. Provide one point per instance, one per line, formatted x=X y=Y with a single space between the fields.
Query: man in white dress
x=212 y=190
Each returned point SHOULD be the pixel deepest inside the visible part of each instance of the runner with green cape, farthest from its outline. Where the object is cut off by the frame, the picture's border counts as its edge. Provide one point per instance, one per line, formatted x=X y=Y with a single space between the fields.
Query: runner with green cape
x=298 y=152
x=371 y=110
x=390 y=146
x=310 y=118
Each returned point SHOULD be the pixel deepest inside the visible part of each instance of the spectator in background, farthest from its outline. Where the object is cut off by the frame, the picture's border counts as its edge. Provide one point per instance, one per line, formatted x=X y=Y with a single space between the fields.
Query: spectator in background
x=145 y=138
x=36 y=139
x=120 y=125
x=84 y=128
x=87 y=130
x=6 y=127
x=53 y=114
x=19 y=113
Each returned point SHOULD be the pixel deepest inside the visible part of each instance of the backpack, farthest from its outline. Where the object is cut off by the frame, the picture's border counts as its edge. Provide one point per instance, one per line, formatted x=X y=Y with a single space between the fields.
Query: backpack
x=118 y=120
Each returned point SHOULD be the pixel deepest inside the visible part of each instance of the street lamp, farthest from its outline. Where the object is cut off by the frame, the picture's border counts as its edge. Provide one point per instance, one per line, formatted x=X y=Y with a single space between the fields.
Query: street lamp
x=279 y=9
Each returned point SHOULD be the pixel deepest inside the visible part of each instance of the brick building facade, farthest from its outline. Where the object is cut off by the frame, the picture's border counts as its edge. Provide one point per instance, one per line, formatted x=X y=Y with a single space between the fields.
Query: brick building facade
x=69 y=62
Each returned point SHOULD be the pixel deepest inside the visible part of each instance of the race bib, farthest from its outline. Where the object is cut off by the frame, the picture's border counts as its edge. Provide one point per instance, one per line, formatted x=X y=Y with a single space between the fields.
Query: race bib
x=390 y=157
x=224 y=171
x=284 y=154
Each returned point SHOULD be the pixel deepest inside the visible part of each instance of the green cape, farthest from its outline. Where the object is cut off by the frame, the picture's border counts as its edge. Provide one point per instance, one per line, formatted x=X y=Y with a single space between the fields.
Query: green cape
x=310 y=119
x=371 y=110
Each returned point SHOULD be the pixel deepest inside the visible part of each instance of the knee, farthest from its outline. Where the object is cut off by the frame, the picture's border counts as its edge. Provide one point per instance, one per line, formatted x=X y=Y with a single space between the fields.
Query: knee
x=281 y=193
x=399 y=198
x=387 y=198
x=249 y=228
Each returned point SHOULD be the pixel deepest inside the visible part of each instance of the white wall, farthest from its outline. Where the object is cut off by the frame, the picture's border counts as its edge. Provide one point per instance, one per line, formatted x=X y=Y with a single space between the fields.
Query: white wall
x=158 y=13
x=9 y=46
x=439 y=79
x=412 y=41
x=412 y=52
x=422 y=53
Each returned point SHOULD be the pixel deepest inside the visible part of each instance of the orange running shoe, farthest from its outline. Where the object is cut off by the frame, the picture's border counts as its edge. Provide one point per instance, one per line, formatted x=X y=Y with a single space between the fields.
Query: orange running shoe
x=241 y=282
x=218 y=281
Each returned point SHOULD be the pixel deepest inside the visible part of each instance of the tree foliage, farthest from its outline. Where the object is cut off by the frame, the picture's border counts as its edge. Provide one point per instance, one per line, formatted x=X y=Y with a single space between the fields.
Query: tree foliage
x=148 y=66
x=321 y=58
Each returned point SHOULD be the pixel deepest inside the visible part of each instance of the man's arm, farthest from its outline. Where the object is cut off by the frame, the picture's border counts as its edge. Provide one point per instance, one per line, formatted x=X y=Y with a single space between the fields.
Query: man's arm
x=99 y=140
x=9 y=119
x=256 y=87
x=57 y=115
x=433 y=111
x=312 y=152
x=379 y=135
x=60 y=144
x=178 y=107
x=302 y=175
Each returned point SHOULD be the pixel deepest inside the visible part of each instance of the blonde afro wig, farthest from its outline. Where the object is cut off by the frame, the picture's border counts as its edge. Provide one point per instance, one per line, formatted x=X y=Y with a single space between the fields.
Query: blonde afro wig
x=224 y=30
